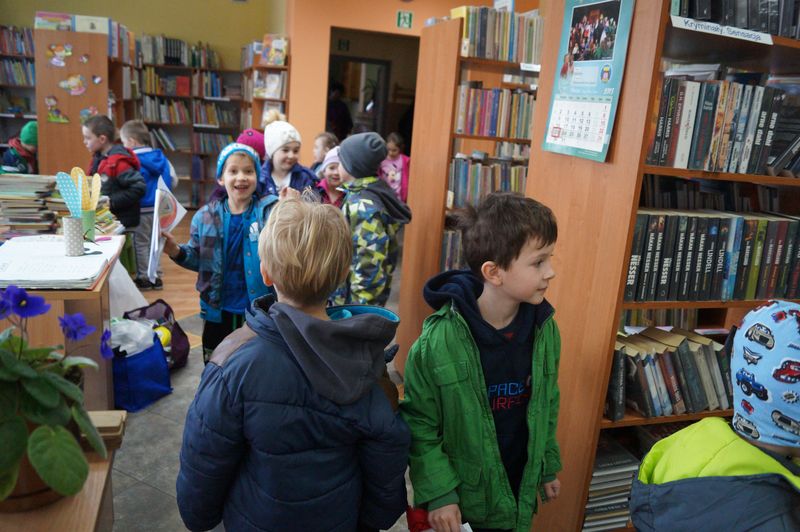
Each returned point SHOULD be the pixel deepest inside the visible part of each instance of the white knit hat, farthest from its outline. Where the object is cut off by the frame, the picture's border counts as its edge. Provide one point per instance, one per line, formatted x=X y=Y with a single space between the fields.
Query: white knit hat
x=277 y=134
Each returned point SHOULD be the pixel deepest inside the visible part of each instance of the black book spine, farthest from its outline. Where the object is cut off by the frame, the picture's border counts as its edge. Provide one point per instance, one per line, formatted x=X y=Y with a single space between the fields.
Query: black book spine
x=684 y=8
x=704 y=126
x=767 y=259
x=774 y=16
x=786 y=18
x=763 y=16
x=669 y=121
x=616 y=388
x=725 y=227
x=635 y=264
x=794 y=270
x=647 y=257
x=777 y=105
x=791 y=242
x=667 y=257
x=704 y=293
x=753 y=22
x=688 y=268
x=657 y=250
x=783 y=159
x=677 y=263
x=699 y=258
x=701 y=9
x=741 y=14
x=761 y=129
x=728 y=13
x=655 y=150
x=745 y=258
x=687 y=397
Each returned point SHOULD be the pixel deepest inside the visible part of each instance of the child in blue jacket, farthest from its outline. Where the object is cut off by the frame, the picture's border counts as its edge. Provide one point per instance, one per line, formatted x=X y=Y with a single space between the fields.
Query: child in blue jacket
x=281 y=169
x=292 y=427
x=154 y=164
x=223 y=246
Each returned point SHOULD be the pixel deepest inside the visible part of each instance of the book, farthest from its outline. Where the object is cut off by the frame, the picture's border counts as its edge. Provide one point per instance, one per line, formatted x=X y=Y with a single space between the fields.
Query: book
x=611 y=457
x=615 y=400
x=686 y=124
x=667 y=258
x=275 y=49
x=710 y=349
x=635 y=262
x=678 y=256
x=755 y=266
x=704 y=125
x=637 y=395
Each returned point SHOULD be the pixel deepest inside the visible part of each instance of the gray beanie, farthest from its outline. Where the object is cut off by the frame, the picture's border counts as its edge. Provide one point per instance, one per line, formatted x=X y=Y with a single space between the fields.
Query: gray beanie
x=361 y=154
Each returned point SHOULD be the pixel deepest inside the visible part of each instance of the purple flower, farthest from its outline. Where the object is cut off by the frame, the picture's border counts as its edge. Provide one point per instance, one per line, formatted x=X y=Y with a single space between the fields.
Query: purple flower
x=24 y=305
x=5 y=307
x=75 y=327
x=105 y=348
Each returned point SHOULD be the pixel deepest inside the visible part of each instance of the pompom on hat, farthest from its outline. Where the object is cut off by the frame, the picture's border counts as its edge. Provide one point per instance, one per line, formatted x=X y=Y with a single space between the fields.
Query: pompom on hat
x=765 y=373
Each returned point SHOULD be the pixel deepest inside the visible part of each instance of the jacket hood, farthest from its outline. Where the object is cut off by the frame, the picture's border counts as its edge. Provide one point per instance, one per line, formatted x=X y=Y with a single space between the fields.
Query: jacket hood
x=395 y=208
x=342 y=358
x=464 y=288
x=120 y=152
x=152 y=160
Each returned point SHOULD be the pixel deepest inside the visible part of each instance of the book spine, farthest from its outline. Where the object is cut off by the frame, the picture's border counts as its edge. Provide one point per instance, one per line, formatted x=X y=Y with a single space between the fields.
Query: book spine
x=788 y=254
x=724 y=363
x=706 y=379
x=774 y=16
x=671 y=380
x=700 y=257
x=777 y=258
x=767 y=259
x=616 y=388
x=718 y=121
x=655 y=148
x=763 y=16
x=752 y=125
x=741 y=128
x=793 y=280
x=745 y=258
x=723 y=233
x=661 y=382
x=716 y=377
x=761 y=129
x=769 y=135
x=701 y=9
x=667 y=257
x=710 y=259
x=755 y=266
x=679 y=372
x=732 y=257
x=729 y=130
x=687 y=121
x=677 y=262
x=647 y=263
x=689 y=364
x=635 y=263
x=704 y=125
x=636 y=395
x=657 y=251
x=669 y=120
x=686 y=276
x=656 y=386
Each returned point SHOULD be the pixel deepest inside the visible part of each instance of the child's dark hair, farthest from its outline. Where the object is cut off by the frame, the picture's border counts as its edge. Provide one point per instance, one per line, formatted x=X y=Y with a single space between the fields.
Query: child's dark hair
x=500 y=226
x=329 y=140
x=136 y=130
x=101 y=125
x=396 y=139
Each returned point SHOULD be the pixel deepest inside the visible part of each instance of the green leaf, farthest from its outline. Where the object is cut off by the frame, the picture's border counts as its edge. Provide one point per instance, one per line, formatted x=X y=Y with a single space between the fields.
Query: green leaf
x=70 y=361
x=8 y=400
x=40 y=415
x=6 y=375
x=87 y=427
x=15 y=366
x=14 y=435
x=40 y=353
x=15 y=344
x=8 y=480
x=58 y=459
x=6 y=334
x=41 y=390
x=64 y=386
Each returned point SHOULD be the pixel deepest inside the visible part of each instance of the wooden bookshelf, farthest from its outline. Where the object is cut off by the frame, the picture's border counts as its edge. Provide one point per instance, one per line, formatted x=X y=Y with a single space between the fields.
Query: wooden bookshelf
x=11 y=123
x=633 y=419
x=494 y=139
x=596 y=206
x=253 y=106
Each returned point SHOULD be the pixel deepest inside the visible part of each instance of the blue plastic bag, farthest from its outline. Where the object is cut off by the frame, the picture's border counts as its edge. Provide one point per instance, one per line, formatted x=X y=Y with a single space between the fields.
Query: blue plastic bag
x=140 y=379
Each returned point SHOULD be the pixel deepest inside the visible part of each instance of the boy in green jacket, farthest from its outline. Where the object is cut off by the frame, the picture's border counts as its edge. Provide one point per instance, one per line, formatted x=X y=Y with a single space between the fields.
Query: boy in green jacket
x=481 y=382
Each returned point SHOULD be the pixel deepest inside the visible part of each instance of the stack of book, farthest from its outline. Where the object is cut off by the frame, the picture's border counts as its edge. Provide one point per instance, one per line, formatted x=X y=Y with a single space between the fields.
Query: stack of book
x=662 y=192
x=512 y=150
x=210 y=143
x=210 y=114
x=202 y=56
x=160 y=50
x=166 y=85
x=17 y=41
x=210 y=86
x=663 y=373
x=160 y=137
x=471 y=180
x=685 y=318
x=451 y=257
x=156 y=109
x=23 y=207
x=713 y=255
x=493 y=112
x=778 y=17
x=737 y=125
x=105 y=222
x=500 y=35
x=17 y=72
x=609 y=491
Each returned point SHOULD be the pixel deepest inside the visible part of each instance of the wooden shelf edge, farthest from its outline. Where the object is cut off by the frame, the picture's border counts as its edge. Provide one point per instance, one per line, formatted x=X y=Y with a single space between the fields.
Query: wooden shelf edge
x=16 y=56
x=633 y=419
x=739 y=303
x=265 y=67
x=480 y=61
x=495 y=139
x=721 y=176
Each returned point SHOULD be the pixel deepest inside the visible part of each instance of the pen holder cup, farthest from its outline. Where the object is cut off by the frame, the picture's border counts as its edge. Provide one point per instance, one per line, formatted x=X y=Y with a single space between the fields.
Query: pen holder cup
x=73 y=235
x=88 y=217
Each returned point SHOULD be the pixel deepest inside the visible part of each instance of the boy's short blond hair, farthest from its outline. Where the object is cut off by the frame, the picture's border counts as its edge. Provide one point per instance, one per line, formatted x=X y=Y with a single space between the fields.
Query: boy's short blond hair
x=135 y=130
x=306 y=249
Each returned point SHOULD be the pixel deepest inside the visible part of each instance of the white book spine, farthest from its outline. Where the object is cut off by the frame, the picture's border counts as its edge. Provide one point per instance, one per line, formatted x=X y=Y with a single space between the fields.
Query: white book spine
x=687 y=124
x=752 y=124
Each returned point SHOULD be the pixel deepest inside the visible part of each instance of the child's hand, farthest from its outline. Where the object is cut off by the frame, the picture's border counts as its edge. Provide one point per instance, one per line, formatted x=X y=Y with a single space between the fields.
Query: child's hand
x=288 y=193
x=552 y=489
x=445 y=519
x=171 y=247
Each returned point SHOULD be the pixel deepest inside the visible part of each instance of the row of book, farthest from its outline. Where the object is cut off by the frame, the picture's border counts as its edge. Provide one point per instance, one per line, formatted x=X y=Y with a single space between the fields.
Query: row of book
x=663 y=373
x=451 y=257
x=159 y=137
x=778 y=17
x=122 y=44
x=169 y=85
x=214 y=115
x=19 y=72
x=15 y=40
x=662 y=192
x=155 y=109
x=721 y=126
x=469 y=181
x=20 y=104
x=210 y=143
x=213 y=85
x=130 y=83
x=266 y=85
x=494 y=112
x=501 y=35
x=161 y=50
x=512 y=150
x=268 y=106
x=23 y=209
x=702 y=256
x=272 y=50
x=683 y=318
x=615 y=467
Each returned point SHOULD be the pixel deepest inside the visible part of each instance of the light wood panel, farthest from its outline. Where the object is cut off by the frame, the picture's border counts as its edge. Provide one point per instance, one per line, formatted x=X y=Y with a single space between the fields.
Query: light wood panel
x=61 y=145
x=433 y=118
x=595 y=204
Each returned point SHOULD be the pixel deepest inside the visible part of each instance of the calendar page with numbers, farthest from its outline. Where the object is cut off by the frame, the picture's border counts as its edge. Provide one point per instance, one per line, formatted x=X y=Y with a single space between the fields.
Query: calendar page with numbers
x=594 y=44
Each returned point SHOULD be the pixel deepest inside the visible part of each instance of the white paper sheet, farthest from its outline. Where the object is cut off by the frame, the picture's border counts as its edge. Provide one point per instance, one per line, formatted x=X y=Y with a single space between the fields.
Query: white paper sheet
x=168 y=213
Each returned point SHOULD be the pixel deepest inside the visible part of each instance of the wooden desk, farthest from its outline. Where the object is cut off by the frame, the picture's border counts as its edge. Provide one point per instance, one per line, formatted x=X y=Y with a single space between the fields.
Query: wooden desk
x=91 y=510
x=44 y=331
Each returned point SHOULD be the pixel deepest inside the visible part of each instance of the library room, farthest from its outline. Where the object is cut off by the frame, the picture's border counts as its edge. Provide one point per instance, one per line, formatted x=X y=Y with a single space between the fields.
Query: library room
x=581 y=313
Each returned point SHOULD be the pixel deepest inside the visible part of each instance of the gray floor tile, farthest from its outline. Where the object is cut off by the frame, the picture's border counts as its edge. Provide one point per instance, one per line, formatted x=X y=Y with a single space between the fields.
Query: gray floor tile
x=150 y=444
x=164 y=478
x=120 y=481
x=146 y=509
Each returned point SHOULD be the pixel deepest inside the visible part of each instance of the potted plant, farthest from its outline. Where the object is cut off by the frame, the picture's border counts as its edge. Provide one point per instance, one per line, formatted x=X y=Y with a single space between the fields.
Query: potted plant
x=41 y=405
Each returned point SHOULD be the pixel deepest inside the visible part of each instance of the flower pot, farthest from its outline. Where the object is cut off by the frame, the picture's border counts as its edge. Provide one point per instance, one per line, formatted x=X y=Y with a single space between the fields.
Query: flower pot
x=30 y=492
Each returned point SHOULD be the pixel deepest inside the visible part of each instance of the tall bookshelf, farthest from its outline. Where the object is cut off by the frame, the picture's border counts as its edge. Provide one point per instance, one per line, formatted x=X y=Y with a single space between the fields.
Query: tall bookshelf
x=596 y=206
x=255 y=72
x=17 y=93
x=435 y=143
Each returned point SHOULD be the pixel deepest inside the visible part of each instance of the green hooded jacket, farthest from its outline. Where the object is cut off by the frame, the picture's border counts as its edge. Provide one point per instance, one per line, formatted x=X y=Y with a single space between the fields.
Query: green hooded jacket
x=454 y=451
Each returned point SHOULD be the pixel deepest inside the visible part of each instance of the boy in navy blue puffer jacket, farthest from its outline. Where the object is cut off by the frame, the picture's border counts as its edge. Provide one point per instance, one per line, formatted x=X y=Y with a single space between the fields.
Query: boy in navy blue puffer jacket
x=291 y=428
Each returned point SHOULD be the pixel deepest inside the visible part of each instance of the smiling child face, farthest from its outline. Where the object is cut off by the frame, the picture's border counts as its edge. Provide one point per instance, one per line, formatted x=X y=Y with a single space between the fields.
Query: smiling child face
x=239 y=177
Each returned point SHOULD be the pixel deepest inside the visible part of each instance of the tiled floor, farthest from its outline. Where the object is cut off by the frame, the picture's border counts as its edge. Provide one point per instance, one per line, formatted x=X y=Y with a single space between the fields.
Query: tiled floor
x=146 y=466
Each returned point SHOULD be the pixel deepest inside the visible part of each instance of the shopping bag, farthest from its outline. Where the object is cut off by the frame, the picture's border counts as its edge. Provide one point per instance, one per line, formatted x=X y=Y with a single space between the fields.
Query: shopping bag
x=160 y=312
x=140 y=379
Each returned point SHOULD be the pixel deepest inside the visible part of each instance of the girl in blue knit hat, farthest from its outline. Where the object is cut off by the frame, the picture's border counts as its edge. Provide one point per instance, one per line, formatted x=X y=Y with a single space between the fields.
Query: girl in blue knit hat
x=742 y=475
x=223 y=246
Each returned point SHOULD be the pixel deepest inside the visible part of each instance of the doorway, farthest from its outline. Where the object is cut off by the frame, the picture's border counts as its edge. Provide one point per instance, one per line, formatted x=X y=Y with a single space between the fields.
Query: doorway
x=372 y=80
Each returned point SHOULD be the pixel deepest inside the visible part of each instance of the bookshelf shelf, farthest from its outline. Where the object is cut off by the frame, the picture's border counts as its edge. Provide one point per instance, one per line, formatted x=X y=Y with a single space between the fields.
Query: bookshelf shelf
x=174 y=96
x=169 y=67
x=266 y=67
x=493 y=63
x=722 y=176
x=166 y=124
x=17 y=56
x=262 y=99
x=14 y=86
x=744 y=303
x=496 y=139
x=632 y=419
x=222 y=99
x=521 y=86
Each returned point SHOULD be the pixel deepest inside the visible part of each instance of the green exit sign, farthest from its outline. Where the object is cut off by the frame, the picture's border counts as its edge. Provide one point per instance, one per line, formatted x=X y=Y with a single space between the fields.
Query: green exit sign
x=404 y=19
